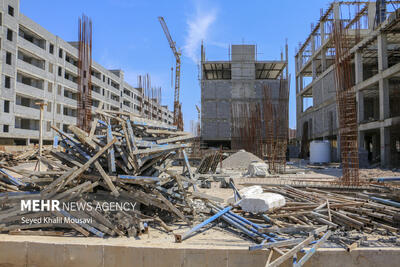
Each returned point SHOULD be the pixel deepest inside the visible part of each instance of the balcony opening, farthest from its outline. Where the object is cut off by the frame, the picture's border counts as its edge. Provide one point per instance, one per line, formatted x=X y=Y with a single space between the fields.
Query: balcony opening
x=70 y=94
x=95 y=103
x=127 y=92
x=26 y=102
x=31 y=59
x=70 y=59
x=70 y=76
x=96 y=88
x=26 y=124
x=28 y=80
x=127 y=103
x=114 y=84
x=96 y=74
x=69 y=112
x=115 y=97
x=32 y=37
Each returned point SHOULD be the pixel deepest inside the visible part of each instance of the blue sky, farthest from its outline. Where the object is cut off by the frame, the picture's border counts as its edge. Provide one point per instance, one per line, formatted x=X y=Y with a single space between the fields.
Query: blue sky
x=128 y=36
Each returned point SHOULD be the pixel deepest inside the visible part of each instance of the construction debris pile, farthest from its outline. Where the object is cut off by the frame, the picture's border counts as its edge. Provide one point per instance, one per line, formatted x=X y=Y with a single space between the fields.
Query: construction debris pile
x=120 y=161
x=118 y=179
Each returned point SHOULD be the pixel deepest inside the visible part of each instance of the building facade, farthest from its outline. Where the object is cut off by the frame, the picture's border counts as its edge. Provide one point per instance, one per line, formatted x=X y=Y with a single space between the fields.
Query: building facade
x=238 y=80
x=376 y=77
x=37 y=66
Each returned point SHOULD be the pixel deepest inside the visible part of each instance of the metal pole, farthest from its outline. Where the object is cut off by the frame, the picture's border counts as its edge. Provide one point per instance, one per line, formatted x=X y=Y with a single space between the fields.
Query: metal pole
x=41 y=105
x=180 y=238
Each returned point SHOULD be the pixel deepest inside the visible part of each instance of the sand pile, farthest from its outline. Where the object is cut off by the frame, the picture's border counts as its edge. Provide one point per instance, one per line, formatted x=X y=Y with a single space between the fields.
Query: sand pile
x=240 y=160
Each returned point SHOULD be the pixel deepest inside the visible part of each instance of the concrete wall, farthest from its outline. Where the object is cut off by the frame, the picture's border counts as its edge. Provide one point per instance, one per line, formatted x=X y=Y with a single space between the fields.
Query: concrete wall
x=109 y=253
x=217 y=97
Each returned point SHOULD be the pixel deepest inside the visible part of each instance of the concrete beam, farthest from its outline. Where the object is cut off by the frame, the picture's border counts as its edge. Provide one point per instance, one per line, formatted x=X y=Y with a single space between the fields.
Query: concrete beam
x=379 y=124
x=387 y=73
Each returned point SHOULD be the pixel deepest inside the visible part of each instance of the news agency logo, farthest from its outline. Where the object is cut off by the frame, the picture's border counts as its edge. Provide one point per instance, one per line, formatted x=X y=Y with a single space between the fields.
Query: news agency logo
x=37 y=205
x=40 y=205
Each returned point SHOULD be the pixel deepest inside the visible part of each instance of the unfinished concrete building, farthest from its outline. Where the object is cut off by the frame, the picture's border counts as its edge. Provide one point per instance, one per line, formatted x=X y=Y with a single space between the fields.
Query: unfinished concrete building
x=374 y=31
x=240 y=79
x=37 y=65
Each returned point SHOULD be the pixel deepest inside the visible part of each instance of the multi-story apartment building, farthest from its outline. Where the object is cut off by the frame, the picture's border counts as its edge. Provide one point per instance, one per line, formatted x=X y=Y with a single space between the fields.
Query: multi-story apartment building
x=374 y=29
x=37 y=66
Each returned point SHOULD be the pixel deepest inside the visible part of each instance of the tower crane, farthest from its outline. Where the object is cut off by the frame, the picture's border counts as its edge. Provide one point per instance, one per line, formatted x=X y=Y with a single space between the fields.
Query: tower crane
x=178 y=119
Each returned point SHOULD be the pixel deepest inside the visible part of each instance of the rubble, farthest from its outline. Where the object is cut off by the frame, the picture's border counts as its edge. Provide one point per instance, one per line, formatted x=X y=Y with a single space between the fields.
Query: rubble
x=122 y=160
x=240 y=160
x=259 y=203
x=257 y=169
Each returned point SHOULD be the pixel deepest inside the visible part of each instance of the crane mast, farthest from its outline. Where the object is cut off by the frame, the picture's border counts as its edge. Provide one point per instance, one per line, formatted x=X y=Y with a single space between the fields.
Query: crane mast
x=178 y=120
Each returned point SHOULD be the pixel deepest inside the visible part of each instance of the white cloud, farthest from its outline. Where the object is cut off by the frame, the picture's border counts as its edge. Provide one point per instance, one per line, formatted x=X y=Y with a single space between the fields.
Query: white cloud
x=198 y=29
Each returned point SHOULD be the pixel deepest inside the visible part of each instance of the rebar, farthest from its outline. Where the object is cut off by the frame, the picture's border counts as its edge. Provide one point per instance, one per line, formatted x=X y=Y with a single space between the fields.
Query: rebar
x=346 y=104
x=84 y=104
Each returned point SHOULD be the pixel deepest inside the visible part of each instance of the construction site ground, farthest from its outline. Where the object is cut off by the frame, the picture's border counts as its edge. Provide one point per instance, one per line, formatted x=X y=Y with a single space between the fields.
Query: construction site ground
x=213 y=246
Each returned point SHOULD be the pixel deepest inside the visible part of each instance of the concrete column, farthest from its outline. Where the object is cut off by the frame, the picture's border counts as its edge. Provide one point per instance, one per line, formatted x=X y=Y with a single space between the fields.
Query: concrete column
x=323 y=59
x=360 y=106
x=301 y=82
x=313 y=62
x=371 y=15
x=358 y=67
x=385 y=146
x=359 y=78
x=384 y=99
x=322 y=31
x=383 y=83
x=382 y=52
x=336 y=11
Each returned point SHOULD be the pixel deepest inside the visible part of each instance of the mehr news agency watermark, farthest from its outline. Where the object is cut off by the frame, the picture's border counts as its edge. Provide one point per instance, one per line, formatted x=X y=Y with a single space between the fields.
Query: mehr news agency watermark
x=51 y=205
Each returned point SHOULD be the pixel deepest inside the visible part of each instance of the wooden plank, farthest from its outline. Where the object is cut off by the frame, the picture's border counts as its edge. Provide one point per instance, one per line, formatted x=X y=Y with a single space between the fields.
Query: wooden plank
x=53 y=163
x=102 y=219
x=73 y=225
x=201 y=195
x=106 y=179
x=49 y=187
x=277 y=244
x=66 y=158
x=90 y=162
x=172 y=207
x=291 y=252
x=111 y=155
x=166 y=132
x=93 y=128
x=157 y=149
x=82 y=136
x=175 y=139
